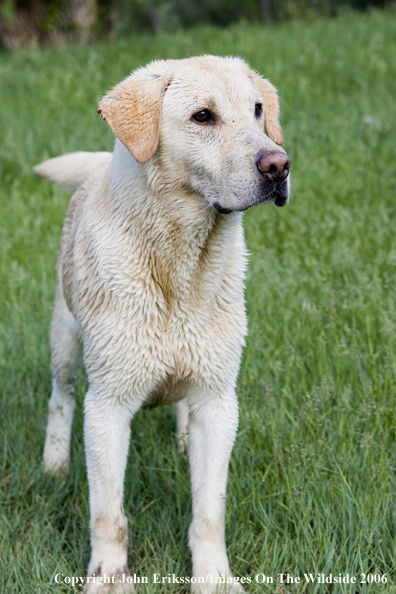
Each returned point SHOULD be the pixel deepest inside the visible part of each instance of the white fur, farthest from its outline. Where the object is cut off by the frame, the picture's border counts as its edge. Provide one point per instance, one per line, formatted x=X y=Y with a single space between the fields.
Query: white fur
x=151 y=282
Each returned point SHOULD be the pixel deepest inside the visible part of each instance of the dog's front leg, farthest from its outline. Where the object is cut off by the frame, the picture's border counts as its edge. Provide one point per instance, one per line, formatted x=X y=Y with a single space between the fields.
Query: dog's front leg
x=107 y=430
x=212 y=429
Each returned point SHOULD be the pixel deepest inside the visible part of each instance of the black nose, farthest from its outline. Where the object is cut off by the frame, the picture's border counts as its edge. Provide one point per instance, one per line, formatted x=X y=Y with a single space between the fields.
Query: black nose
x=275 y=165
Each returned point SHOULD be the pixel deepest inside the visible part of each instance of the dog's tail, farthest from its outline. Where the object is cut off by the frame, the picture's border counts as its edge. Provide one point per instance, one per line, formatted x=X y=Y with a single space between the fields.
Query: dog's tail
x=70 y=171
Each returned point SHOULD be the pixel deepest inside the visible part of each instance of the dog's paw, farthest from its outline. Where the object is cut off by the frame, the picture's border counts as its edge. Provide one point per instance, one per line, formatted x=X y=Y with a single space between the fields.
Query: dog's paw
x=56 y=465
x=109 y=582
x=56 y=456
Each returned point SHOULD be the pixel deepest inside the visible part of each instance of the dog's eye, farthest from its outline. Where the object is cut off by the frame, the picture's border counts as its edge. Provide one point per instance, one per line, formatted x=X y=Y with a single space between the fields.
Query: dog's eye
x=202 y=116
x=258 y=110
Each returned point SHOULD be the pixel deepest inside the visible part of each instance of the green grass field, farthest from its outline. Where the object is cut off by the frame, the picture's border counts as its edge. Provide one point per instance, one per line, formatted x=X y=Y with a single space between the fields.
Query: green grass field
x=312 y=485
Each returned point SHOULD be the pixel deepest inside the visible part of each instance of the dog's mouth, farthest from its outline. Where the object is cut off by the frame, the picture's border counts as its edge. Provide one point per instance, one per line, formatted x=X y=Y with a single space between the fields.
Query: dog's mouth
x=222 y=210
x=281 y=200
x=279 y=195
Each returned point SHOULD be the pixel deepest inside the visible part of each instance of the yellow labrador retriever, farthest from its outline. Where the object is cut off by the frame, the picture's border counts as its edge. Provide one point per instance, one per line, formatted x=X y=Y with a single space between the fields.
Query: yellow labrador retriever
x=151 y=287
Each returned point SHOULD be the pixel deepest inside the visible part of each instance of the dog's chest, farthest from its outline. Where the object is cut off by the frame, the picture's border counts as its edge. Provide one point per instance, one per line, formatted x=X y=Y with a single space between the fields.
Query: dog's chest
x=141 y=344
x=154 y=324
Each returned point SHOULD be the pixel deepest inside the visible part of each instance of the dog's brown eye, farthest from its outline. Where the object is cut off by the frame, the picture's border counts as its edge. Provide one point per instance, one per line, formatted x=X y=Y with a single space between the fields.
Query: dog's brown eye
x=202 y=116
x=258 y=110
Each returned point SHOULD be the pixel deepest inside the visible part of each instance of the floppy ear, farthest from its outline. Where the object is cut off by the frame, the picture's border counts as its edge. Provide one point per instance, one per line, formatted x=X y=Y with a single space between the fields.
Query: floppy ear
x=133 y=110
x=271 y=102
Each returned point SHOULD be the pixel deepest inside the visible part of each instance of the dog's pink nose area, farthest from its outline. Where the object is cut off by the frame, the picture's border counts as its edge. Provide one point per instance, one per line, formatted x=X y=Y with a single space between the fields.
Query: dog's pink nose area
x=275 y=165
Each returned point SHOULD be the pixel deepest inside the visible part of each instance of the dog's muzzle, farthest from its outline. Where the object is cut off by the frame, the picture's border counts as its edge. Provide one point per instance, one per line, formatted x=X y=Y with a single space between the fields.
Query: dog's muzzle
x=274 y=167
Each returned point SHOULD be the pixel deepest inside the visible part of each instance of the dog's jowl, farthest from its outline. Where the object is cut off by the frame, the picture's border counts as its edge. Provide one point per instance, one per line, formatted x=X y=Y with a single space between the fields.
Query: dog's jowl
x=151 y=286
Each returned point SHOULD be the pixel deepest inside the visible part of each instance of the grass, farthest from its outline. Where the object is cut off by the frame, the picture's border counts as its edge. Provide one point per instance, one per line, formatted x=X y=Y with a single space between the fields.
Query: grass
x=312 y=480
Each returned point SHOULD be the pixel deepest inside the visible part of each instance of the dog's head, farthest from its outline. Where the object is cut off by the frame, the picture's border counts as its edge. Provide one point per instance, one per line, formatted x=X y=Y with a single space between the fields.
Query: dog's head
x=211 y=123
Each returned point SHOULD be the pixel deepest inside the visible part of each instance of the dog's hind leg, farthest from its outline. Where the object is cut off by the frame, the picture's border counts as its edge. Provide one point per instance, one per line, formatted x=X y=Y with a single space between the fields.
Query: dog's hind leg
x=182 y=425
x=66 y=352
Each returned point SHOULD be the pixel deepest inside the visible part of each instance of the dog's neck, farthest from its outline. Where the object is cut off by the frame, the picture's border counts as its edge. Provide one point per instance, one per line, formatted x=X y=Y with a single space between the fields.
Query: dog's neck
x=185 y=239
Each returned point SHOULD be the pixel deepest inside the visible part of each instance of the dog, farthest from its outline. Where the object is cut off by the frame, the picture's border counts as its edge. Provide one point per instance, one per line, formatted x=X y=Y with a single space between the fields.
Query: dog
x=151 y=287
